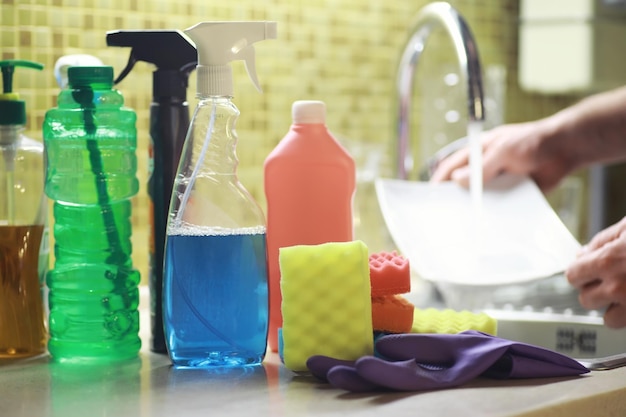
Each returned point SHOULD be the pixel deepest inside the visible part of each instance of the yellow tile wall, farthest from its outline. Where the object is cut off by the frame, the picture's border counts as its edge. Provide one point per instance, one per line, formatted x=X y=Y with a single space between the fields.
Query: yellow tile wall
x=341 y=51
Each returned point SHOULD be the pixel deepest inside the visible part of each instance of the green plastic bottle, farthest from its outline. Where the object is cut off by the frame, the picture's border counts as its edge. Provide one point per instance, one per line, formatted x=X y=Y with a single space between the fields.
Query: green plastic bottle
x=90 y=143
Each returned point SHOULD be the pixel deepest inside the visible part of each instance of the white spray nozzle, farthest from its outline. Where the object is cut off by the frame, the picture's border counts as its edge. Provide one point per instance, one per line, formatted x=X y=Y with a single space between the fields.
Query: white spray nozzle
x=220 y=43
x=76 y=60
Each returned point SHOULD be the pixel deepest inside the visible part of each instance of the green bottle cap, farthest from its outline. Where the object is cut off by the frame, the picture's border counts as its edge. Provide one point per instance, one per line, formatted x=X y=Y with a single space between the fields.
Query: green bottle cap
x=12 y=109
x=89 y=76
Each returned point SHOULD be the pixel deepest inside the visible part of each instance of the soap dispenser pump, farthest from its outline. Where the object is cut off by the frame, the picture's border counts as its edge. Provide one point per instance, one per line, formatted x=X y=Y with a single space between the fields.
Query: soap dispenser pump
x=215 y=287
x=23 y=212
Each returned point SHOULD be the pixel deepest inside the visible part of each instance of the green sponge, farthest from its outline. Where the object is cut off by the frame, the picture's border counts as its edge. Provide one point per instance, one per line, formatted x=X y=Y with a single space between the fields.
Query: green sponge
x=431 y=320
x=326 y=302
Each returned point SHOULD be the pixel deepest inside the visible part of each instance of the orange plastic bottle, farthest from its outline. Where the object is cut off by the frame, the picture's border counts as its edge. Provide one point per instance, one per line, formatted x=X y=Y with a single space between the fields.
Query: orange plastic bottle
x=309 y=186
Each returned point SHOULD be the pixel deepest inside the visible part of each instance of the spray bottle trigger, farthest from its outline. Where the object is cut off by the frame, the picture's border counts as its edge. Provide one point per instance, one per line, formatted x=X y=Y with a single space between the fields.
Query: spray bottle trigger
x=132 y=60
x=248 y=55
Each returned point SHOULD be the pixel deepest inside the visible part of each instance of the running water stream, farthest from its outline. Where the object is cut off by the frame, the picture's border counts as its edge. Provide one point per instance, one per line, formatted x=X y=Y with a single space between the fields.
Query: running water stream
x=474 y=130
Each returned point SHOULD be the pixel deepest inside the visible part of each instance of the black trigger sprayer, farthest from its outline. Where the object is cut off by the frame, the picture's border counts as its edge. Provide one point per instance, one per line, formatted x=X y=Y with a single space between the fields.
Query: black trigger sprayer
x=174 y=56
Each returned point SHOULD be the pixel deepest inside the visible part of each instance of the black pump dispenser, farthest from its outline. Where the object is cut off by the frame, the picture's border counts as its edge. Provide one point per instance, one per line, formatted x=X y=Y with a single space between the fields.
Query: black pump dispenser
x=174 y=56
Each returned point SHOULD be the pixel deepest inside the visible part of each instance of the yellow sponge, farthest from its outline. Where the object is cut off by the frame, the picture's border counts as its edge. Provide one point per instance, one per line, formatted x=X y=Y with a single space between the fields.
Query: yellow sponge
x=431 y=320
x=326 y=302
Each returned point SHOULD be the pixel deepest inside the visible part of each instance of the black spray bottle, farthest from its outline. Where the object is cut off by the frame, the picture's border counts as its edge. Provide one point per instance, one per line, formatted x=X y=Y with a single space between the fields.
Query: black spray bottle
x=174 y=57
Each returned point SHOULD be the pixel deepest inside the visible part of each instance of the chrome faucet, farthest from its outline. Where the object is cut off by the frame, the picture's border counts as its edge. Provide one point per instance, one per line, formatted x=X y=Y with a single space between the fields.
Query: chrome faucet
x=430 y=16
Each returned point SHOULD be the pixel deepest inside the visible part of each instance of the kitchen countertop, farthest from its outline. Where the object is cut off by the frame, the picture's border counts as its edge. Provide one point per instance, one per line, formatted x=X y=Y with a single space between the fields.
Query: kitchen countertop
x=150 y=386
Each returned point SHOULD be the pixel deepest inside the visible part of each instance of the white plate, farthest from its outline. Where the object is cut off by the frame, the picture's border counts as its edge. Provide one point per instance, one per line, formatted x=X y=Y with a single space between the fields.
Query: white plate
x=520 y=237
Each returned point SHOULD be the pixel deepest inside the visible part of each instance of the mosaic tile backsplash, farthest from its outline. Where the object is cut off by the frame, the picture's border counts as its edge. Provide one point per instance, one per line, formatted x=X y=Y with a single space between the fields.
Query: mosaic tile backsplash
x=343 y=52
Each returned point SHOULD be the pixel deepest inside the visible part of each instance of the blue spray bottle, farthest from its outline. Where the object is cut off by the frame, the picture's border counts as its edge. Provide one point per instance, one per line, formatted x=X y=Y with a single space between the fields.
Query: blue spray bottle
x=215 y=290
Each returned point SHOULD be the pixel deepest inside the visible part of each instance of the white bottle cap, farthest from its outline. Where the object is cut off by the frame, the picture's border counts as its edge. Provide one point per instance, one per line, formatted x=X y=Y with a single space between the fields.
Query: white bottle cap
x=308 y=112
x=75 y=60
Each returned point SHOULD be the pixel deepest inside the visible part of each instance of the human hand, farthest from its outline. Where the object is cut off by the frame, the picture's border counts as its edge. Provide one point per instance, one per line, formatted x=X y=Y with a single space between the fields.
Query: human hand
x=515 y=149
x=599 y=274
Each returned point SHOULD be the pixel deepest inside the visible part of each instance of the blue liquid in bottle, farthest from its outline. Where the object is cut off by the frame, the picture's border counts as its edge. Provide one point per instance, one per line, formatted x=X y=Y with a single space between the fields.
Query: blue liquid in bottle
x=215 y=294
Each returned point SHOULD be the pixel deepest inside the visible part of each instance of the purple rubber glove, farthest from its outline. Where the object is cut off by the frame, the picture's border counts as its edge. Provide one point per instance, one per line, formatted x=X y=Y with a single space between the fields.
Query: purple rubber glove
x=416 y=362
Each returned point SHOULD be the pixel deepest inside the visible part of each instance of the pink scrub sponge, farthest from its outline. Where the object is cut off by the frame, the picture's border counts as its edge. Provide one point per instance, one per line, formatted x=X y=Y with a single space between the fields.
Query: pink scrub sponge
x=392 y=314
x=389 y=277
x=389 y=274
